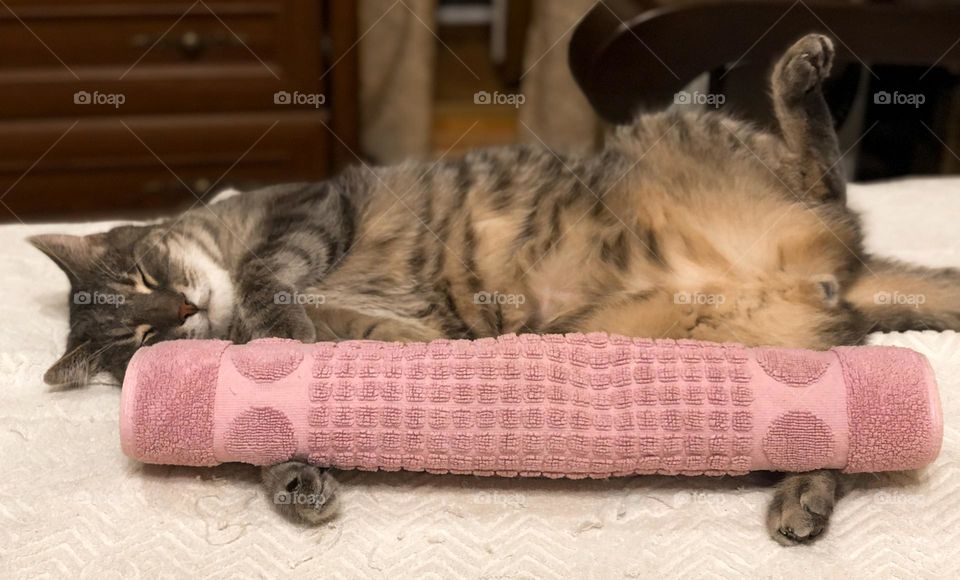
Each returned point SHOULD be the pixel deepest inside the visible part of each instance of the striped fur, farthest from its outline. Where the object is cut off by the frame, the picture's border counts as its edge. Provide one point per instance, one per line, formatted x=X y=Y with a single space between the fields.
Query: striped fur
x=686 y=225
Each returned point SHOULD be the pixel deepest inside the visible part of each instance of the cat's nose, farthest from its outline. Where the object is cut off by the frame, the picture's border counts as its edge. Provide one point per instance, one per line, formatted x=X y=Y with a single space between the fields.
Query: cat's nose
x=186 y=310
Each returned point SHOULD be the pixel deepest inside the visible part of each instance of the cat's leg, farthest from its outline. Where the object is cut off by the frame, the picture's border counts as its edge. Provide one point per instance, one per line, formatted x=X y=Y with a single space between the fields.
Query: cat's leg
x=811 y=159
x=894 y=297
x=303 y=233
x=802 y=504
x=268 y=306
x=301 y=492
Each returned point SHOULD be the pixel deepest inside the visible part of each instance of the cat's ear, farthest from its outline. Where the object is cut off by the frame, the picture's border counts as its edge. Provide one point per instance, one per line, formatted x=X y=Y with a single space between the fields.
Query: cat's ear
x=75 y=368
x=74 y=254
x=122 y=236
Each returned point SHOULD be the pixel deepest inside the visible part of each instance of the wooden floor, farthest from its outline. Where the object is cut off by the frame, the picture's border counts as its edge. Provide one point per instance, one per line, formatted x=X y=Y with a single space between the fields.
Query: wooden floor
x=459 y=124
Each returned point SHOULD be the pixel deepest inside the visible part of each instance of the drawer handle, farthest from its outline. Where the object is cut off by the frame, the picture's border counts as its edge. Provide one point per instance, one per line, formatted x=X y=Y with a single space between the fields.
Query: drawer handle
x=190 y=44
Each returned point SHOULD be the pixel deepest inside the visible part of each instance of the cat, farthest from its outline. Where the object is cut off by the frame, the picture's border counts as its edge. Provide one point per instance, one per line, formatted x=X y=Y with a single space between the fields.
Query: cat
x=686 y=225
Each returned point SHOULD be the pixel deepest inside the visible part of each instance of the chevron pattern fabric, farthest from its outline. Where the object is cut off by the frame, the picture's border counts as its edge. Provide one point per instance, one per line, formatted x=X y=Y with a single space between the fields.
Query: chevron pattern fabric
x=72 y=506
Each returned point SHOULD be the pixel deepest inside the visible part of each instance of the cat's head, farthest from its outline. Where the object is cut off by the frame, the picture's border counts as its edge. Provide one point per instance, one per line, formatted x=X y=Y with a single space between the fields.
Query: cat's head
x=129 y=287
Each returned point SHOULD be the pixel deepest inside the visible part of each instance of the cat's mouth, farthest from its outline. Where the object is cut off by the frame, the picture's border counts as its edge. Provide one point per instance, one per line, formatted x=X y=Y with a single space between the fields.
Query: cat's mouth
x=209 y=320
x=197 y=325
x=213 y=297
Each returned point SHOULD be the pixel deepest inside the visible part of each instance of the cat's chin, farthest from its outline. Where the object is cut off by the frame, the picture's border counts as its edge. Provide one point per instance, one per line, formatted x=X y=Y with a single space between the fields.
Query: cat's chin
x=216 y=312
x=198 y=327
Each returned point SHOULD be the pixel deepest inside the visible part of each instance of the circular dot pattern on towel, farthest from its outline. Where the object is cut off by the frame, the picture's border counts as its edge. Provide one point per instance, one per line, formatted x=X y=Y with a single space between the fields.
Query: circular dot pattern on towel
x=791 y=367
x=270 y=362
x=798 y=441
x=262 y=436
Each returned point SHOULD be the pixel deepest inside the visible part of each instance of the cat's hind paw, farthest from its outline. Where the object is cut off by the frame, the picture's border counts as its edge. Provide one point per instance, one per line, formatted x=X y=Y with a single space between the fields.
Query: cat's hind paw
x=804 y=66
x=302 y=492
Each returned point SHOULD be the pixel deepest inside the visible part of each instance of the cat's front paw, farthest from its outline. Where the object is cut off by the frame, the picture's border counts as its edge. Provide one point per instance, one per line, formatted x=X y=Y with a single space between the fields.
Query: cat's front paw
x=290 y=321
x=279 y=321
x=801 y=507
x=302 y=492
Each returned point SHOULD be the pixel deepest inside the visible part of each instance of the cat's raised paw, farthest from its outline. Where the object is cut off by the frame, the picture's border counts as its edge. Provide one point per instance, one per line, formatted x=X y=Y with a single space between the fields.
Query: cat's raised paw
x=302 y=492
x=805 y=65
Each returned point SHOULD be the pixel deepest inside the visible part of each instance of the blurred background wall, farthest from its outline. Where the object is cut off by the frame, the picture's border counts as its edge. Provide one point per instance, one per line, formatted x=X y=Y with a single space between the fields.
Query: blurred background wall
x=136 y=107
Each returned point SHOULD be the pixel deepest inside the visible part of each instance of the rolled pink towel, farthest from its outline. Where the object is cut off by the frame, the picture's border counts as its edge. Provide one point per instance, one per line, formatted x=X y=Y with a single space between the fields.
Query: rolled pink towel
x=579 y=405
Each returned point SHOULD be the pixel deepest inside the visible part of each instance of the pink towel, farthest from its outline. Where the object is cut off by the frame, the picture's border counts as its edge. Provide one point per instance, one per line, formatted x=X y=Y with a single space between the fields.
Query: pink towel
x=574 y=406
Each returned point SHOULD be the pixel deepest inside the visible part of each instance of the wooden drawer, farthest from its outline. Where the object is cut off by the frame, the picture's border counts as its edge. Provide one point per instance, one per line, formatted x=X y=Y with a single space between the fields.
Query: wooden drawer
x=159 y=56
x=140 y=165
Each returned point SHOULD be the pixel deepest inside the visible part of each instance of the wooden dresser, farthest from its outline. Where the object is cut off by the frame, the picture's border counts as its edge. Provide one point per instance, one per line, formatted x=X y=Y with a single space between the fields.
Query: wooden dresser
x=126 y=107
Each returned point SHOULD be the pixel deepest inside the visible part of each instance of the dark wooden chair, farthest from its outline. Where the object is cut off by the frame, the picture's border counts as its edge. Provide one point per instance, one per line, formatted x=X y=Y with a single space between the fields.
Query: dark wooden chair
x=633 y=55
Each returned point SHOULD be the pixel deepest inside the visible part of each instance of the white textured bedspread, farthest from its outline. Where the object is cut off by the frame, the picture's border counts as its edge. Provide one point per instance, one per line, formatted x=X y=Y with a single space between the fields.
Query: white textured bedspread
x=71 y=505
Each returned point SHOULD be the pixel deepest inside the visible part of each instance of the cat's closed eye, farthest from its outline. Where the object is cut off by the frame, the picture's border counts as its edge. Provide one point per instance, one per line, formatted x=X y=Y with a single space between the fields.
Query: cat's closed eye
x=147 y=334
x=140 y=335
x=148 y=281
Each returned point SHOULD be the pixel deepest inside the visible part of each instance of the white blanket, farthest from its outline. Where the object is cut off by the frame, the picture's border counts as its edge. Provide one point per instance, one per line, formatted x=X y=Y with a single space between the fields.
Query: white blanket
x=71 y=505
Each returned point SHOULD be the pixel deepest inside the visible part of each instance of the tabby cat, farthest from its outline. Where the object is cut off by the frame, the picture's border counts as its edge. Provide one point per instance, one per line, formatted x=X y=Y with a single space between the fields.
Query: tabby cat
x=686 y=225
